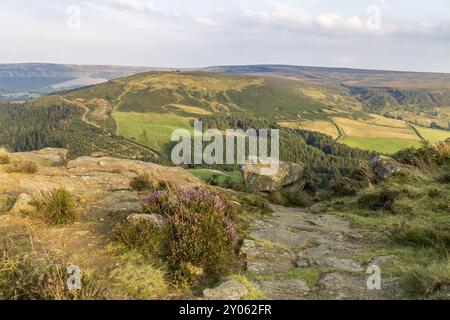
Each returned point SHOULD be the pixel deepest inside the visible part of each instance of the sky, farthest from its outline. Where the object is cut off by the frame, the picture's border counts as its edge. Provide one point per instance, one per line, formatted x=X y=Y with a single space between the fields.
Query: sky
x=409 y=35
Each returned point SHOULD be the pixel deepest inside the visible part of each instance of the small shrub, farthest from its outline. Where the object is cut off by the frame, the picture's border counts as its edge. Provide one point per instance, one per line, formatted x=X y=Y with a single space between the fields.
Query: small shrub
x=343 y=187
x=28 y=167
x=142 y=182
x=427 y=281
x=298 y=198
x=444 y=178
x=277 y=198
x=143 y=236
x=57 y=207
x=4 y=158
x=434 y=193
x=214 y=180
x=6 y=202
x=25 y=277
x=381 y=199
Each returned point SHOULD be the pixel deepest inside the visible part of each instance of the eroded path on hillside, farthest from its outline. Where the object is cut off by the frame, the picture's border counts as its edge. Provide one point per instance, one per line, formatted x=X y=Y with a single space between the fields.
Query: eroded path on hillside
x=298 y=255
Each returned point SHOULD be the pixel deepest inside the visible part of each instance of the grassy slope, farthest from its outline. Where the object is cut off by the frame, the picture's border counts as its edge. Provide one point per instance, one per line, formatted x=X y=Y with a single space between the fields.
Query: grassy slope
x=433 y=135
x=206 y=174
x=416 y=230
x=150 y=129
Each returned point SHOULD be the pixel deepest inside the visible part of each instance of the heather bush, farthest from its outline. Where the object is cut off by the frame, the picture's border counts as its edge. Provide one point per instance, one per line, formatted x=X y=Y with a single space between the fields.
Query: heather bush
x=199 y=240
x=202 y=236
x=156 y=202
x=381 y=199
x=28 y=167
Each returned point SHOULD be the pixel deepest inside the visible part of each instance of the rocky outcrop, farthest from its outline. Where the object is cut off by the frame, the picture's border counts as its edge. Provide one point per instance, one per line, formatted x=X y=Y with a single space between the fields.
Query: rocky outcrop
x=229 y=290
x=385 y=166
x=23 y=204
x=98 y=183
x=45 y=157
x=256 y=180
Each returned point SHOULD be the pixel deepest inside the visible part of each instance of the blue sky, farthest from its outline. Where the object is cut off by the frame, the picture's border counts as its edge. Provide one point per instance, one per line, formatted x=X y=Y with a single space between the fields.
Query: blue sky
x=377 y=34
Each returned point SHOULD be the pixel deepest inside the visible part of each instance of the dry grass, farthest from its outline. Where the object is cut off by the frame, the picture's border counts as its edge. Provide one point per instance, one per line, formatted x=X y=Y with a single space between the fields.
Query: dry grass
x=321 y=126
x=378 y=129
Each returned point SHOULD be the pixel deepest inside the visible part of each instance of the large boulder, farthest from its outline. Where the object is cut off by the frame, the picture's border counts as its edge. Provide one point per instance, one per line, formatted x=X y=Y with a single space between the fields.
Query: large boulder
x=256 y=180
x=385 y=166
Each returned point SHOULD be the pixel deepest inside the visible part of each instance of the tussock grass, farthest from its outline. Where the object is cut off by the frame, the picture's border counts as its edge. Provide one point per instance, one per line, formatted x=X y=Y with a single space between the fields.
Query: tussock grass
x=25 y=277
x=57 y=207
x=430 y=281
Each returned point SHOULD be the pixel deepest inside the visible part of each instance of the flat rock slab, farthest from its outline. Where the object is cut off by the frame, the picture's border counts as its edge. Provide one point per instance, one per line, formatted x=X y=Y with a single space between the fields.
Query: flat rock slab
x=323 y=242
x=229 y=290
x=284 y=289
x=340 y=264
x=262 y=259
x=351 y=287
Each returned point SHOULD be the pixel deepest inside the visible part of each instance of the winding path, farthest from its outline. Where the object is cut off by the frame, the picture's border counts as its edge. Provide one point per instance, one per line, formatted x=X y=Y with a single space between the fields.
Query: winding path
x=299 y=255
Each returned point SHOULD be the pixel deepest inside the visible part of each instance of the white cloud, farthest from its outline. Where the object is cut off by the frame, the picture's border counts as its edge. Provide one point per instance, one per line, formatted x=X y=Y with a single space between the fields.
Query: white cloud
x=137 y=5
x=207 y=22
x=301 y=20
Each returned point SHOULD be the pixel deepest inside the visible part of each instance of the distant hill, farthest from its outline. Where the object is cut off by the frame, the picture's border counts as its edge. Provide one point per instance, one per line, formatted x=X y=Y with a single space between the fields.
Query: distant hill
x=38 y=78
x=347 y=76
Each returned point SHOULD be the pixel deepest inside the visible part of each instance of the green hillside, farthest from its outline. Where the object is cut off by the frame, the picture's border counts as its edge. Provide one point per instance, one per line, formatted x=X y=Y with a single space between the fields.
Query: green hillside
x=145 y=108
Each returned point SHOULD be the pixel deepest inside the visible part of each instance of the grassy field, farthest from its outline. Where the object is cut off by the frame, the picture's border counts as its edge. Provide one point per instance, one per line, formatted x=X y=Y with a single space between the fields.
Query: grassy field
x=433 y=135
x=206 y=174
x=150 y=129
x=379 y=144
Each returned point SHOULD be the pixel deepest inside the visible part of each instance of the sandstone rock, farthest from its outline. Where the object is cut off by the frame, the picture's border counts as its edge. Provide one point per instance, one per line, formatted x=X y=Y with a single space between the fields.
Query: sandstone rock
x=262 y=259
x=350 y=287
x=255 y=181
x=46 y=157
x=379 y=261
x=229 y=290
x=301 y=263
x=23 y=204
x=347 y=265
x=156 y=219
x=316 y=208
x=385 y=166
x=284 y=289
